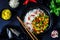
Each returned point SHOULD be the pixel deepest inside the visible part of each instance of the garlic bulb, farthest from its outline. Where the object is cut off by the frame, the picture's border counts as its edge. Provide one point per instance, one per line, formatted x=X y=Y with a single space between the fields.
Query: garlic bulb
x=14 y=3
x=54 y=34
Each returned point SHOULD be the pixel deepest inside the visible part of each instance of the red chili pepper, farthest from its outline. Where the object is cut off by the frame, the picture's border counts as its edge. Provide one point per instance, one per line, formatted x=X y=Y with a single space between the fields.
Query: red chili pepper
x=28 y=18
x=27 y=23
x=35 y=12
x=27 y=1
x=32 y=15
x=33 y=1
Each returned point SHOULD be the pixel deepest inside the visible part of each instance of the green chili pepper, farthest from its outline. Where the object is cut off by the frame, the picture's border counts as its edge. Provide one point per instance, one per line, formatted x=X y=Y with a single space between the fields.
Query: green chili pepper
x=57 y=1
x=54 y=8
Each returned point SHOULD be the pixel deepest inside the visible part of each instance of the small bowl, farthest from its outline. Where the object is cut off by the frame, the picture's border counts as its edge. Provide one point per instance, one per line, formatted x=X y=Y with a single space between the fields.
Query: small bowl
x=13 y=13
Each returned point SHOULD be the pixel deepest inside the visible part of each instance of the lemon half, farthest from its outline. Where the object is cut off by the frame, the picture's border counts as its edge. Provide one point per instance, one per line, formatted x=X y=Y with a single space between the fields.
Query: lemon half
x=6 y=14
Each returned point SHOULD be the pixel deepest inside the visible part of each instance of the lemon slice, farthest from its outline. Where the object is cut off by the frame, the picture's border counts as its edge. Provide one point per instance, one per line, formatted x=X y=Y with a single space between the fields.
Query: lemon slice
x=6 y=14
